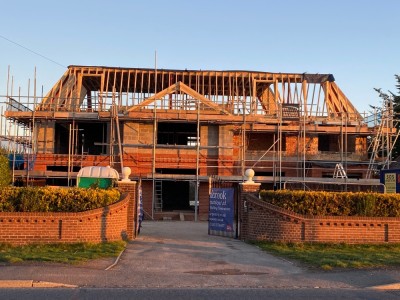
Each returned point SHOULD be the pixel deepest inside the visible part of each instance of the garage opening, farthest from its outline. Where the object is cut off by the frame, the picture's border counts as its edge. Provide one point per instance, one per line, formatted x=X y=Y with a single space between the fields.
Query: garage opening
x=177 y=195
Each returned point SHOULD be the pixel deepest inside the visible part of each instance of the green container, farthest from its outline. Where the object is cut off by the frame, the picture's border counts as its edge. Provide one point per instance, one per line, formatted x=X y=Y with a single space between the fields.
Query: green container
x=96 y=177
x=89 y=182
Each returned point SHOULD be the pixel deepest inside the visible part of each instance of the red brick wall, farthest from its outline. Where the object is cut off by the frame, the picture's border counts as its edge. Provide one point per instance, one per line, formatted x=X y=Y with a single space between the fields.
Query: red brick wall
x=109 y=223
x=204 y=201
x=129 y=187
x=263 y=221
x=147 y=194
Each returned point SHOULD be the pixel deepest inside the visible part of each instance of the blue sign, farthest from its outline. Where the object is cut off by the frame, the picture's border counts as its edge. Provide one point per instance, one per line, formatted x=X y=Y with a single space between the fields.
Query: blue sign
x=221 y=211
x=391 y=179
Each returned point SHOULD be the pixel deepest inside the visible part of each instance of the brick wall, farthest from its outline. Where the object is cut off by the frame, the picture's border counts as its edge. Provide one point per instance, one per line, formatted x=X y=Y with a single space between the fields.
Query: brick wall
x=295 y=145
x=225 y=158
x=147 y=194
x=130 y=188
x=204 y=201
x=263 y=221
x=110 y=223
x=45 y=137
x=361 y=146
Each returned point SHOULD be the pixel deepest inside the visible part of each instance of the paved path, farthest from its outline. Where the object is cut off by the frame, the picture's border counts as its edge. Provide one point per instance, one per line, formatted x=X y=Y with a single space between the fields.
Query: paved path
x=182 y=254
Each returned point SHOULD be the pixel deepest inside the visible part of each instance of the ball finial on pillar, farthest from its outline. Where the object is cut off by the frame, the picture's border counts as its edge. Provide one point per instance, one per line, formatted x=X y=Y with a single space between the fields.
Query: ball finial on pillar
x=249 y=173
x=126 y=171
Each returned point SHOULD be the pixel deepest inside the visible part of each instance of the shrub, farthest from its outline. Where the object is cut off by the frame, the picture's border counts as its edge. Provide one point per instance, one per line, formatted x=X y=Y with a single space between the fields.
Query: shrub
x=46 y=199
x=335 y=203
x=5 y=173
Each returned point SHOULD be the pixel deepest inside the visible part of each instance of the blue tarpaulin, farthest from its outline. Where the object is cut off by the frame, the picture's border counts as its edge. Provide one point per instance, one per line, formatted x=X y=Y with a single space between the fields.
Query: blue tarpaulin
x=18 y=163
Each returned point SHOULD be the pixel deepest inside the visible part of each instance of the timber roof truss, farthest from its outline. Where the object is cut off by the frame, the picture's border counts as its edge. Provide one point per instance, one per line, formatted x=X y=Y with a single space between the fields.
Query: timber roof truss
x=230 y=93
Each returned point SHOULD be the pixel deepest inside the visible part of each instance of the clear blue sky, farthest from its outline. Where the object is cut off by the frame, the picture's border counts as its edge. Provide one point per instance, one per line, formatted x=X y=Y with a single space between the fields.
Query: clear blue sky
x=355 y=40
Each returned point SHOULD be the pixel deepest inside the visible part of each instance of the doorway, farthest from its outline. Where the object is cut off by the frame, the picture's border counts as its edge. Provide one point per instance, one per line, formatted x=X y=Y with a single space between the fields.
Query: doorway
x=176 y=195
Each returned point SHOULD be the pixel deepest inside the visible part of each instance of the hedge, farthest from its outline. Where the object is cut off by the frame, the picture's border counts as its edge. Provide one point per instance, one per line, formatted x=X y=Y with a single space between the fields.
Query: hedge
x=47 y=199
x=335 y=204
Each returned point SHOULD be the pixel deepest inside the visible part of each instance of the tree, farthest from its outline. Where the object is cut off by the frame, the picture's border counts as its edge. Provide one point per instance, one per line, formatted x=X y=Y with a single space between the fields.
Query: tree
x=396 y=111
x=5 y=172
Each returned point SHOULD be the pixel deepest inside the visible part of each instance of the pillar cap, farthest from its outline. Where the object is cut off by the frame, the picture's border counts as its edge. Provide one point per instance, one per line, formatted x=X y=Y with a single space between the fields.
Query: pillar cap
x=249 y=173
x=126 y=171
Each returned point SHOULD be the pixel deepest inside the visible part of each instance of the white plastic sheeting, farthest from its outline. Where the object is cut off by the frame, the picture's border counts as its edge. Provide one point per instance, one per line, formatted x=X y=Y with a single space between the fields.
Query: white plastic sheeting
x=98 y=172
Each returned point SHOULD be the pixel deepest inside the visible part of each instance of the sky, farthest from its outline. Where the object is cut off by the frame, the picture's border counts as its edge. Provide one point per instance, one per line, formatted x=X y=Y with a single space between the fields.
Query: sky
x=355 y=40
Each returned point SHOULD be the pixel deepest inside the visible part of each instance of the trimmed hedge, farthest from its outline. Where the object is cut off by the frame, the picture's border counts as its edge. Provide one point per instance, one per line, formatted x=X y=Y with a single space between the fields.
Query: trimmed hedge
x=46 y=199
x=335 y=204
x=5 y=173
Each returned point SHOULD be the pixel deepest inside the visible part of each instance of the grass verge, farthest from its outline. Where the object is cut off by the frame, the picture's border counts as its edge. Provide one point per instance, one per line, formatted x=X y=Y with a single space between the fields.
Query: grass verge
x=330 y=256
x=60 y=253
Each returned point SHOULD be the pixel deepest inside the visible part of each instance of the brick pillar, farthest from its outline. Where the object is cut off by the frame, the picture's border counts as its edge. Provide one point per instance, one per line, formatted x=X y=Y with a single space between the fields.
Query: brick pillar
x=245 y=189
x=130 y=188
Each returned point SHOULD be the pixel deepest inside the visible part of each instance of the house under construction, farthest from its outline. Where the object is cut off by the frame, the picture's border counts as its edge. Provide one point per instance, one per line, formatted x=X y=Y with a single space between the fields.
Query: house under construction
x=180 y=129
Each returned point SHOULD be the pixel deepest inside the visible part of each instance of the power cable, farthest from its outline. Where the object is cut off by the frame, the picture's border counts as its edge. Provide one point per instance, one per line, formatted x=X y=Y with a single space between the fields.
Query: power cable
x=34 y=52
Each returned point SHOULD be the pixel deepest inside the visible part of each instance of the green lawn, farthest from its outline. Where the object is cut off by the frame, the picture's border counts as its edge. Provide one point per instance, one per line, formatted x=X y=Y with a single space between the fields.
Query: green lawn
x=329 y=256
x=61 y=253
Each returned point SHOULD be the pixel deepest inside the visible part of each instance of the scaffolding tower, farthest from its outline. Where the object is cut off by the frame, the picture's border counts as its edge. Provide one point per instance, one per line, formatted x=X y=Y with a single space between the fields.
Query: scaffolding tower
x=383 y=141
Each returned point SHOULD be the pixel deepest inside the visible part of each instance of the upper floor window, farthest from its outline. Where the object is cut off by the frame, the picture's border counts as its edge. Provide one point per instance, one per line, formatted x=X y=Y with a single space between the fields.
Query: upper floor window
x=177 y=134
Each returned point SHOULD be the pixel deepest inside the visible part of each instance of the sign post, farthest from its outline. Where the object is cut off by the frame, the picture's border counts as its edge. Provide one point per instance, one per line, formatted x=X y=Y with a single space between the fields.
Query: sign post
x=391 y=179
x=221 y=212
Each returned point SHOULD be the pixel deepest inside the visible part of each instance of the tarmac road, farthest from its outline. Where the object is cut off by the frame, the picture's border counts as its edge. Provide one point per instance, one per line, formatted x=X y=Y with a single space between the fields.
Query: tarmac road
x=181 y=255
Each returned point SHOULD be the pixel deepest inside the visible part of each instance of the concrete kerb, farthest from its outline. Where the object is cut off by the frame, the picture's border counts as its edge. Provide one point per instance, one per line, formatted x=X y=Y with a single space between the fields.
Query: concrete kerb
x=33 y=284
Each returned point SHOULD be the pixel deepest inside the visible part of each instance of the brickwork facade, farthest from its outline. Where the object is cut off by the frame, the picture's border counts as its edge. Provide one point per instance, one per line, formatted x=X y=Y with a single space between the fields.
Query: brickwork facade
x=263 y=221
x=130 y=188
x=204 y=201
x=45 y=137
x=221 y=156
x=110 y=223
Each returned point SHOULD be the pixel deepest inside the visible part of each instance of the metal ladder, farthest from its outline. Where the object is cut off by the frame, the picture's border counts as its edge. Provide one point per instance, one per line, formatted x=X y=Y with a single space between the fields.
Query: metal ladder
x=381 y=142
x=339 y=172
x=158 y=196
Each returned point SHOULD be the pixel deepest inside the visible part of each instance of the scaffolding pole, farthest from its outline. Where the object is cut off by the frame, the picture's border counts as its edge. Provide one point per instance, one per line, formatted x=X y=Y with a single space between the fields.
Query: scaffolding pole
x=153 y=167
x=196 y=198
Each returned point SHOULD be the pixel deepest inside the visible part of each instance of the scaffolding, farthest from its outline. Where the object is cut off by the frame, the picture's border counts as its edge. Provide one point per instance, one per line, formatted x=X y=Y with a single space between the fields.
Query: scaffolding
x=279 y=110
x=383 y=141
x=16 y=135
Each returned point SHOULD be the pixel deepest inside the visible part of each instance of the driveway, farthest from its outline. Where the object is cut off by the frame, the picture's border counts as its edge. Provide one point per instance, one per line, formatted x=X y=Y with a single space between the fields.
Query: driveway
x=181 y=254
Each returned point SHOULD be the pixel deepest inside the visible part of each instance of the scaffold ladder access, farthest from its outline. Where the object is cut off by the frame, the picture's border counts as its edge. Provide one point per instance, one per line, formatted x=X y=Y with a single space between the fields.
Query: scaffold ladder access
x=383 y=142
x=158 y=196
x=339 y=172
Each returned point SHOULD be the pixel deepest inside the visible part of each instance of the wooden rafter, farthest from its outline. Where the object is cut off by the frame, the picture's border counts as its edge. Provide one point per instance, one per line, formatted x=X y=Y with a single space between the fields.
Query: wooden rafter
x=267 y=100
x=347 y=105
x=184 y=88
x=169 y=90
x=338 y=103
x=176 y=88
x=222 y=91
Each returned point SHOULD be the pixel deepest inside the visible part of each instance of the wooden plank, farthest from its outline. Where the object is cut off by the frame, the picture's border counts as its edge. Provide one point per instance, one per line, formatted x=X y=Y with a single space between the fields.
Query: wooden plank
x=184 y=88
x=328 y=102
x=304 y=89
x=350 y=109
x=151 y=99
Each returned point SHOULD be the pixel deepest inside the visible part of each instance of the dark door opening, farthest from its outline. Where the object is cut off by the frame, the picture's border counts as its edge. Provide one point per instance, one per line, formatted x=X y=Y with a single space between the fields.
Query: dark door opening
x=175 y=195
